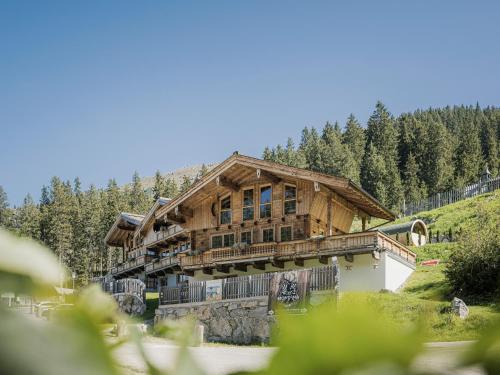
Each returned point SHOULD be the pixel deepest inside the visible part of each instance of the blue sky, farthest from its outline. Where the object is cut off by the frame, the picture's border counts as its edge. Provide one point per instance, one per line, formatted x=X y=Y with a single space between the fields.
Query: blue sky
x=101 y=89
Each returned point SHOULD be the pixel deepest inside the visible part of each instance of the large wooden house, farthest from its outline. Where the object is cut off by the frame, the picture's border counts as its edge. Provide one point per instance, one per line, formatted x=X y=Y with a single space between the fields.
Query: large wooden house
x=251 y=216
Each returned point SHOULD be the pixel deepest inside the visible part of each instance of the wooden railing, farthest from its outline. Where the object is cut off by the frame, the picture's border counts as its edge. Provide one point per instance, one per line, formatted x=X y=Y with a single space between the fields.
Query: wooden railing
x=370 y=240
x=157 y=264
x=321 y=278
x=155 y=237
x=133 y=263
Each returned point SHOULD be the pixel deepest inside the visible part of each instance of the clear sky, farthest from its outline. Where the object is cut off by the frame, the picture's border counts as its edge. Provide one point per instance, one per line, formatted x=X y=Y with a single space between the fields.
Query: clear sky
x=99 y=89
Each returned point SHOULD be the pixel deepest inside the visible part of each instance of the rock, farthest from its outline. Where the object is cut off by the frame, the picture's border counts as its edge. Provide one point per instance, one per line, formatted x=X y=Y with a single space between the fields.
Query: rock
x=459 y=308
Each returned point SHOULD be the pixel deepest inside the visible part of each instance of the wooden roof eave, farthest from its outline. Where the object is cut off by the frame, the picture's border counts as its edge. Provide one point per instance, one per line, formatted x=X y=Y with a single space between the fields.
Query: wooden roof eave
x=375 y=208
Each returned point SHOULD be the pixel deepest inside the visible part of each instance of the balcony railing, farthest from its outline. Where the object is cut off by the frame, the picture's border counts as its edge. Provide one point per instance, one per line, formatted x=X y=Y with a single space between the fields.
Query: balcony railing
x=129 y=286
x=162 y=235
x=131 y=264
x=165 y=262
x=321 y=246
x=321 y=278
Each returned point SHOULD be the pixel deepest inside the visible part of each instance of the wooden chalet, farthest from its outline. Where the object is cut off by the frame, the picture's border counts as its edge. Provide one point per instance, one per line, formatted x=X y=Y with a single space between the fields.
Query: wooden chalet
x=252 y=216
x=249 y=216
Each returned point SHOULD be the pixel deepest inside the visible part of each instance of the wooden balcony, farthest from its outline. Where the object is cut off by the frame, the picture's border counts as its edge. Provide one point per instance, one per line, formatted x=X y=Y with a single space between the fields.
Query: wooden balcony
x=165 y=265
x=132 y=266
x=312 y=248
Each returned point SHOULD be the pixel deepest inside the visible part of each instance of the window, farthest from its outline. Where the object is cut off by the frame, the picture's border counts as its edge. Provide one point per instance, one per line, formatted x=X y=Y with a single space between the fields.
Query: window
x=225 y=210
x=229 y=240
x=265 y=201
x=216 y=242
x=246 y=237
x=290 y=200
x=286 y=233
x=248 y=204
x=268 y=235
x=222 y=240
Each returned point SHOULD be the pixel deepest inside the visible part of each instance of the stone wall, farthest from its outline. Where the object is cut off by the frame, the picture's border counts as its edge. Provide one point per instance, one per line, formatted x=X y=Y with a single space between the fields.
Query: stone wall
x=130 y=304
x=238 y=321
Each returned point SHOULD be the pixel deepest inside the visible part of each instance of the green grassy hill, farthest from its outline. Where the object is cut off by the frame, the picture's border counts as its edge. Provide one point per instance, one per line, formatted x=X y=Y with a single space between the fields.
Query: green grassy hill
x=427 y=294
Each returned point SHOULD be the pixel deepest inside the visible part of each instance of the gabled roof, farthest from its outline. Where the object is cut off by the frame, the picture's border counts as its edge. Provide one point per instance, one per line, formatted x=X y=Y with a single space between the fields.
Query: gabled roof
x=150 y=216
x=340 y=185
x=124 y=224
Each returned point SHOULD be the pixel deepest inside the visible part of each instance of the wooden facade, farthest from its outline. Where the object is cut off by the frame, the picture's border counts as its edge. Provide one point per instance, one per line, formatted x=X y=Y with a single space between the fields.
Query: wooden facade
x=251 y=215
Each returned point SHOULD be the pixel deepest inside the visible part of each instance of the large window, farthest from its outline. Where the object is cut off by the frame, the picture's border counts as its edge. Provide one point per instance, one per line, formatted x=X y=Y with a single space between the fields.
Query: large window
x=265 y=201
x=290 y=200
x=248 y=206
x=286 y=233
x=225 y=210
x=246 y=237
x=268 y=235
x=222 y=240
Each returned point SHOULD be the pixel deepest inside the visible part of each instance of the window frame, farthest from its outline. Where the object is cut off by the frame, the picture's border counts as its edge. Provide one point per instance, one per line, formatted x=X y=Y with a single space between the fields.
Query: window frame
x=230 y=209
x=222 y=235
x=262 y=204
x=262 y=234
x=291 y=232
x=289 y=200
x=243 y=203
x=251 y=236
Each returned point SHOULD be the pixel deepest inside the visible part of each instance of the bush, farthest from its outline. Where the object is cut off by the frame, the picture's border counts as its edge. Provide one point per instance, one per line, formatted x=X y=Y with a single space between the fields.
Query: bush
x=473 y=269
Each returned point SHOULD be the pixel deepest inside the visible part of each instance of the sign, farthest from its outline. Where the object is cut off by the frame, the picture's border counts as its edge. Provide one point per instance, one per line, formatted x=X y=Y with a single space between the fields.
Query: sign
x=213 y=290
x=289 y=290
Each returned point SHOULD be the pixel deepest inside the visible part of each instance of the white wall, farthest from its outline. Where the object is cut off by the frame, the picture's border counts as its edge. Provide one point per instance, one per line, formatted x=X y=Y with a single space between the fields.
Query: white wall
x=390 y=273
x=360 y=275
x=396 y=272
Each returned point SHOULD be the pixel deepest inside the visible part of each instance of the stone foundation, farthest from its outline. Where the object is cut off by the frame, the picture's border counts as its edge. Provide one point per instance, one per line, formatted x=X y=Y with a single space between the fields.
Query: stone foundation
x=238 y=321
x=130 y=303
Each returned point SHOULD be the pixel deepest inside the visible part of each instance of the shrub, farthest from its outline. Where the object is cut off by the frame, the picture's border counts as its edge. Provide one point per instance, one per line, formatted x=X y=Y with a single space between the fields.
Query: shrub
x=473 y=269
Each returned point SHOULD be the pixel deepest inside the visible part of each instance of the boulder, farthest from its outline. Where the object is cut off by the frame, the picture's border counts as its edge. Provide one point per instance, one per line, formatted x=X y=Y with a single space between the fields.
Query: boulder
x=459 y=308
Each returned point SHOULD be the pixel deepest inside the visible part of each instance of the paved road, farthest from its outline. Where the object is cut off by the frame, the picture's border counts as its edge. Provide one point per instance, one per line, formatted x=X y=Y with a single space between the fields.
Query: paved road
x=220 y=360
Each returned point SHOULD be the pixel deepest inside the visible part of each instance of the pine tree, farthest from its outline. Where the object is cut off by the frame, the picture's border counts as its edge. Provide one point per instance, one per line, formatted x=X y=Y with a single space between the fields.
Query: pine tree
x=171 y=188
x=468 y=157
x=438 y=166
x=373 y=174
x=29 y=218
x=414 y=188
x=355 y=139
x=489 y=140
x=137 y=198
x=336 y=157
x=203 y=171
x=159 y=186
x=5 y=213
x=310 y=146
x=186 y=183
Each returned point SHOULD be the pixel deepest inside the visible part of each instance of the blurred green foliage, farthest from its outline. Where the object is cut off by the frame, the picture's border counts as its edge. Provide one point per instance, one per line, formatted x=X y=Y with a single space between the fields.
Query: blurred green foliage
x=353 y=336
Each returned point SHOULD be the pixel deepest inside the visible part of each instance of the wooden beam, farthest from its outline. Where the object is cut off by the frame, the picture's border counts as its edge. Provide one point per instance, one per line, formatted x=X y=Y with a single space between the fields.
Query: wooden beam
x=278 y=264
x=240 y=267
x=207 y=271
x=299 y=262
x=222 y=268
x=175 y=220
x=329 y=215
x=259 y=266
x=271 y=176
x=323 y=259
x=226 y=182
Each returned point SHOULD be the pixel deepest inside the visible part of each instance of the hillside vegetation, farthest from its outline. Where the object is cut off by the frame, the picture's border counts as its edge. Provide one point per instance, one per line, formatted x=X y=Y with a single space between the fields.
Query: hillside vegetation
x=427 y=294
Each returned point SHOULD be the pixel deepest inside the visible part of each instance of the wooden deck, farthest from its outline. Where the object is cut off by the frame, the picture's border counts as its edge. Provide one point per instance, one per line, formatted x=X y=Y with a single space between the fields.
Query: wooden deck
x=304 y=249
x=132 y=265
x=166 y=264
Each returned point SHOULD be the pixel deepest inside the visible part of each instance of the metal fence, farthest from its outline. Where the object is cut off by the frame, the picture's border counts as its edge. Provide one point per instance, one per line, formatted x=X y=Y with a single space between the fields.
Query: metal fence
x=322 y=278
x=130 y=286
x=450 y=196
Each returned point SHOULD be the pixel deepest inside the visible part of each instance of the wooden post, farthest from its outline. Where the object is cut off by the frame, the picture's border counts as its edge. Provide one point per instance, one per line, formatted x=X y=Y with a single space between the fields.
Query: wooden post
x=363 y=223
x=330 y=216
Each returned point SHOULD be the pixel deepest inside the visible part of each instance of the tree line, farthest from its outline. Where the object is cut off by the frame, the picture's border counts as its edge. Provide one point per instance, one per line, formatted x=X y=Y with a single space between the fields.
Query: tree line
x=73 y=222
x=402 y=158
x=393 y=158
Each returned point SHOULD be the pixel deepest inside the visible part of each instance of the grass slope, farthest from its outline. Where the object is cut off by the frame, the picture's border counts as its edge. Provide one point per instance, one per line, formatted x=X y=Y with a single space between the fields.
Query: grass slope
x=426 y=295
